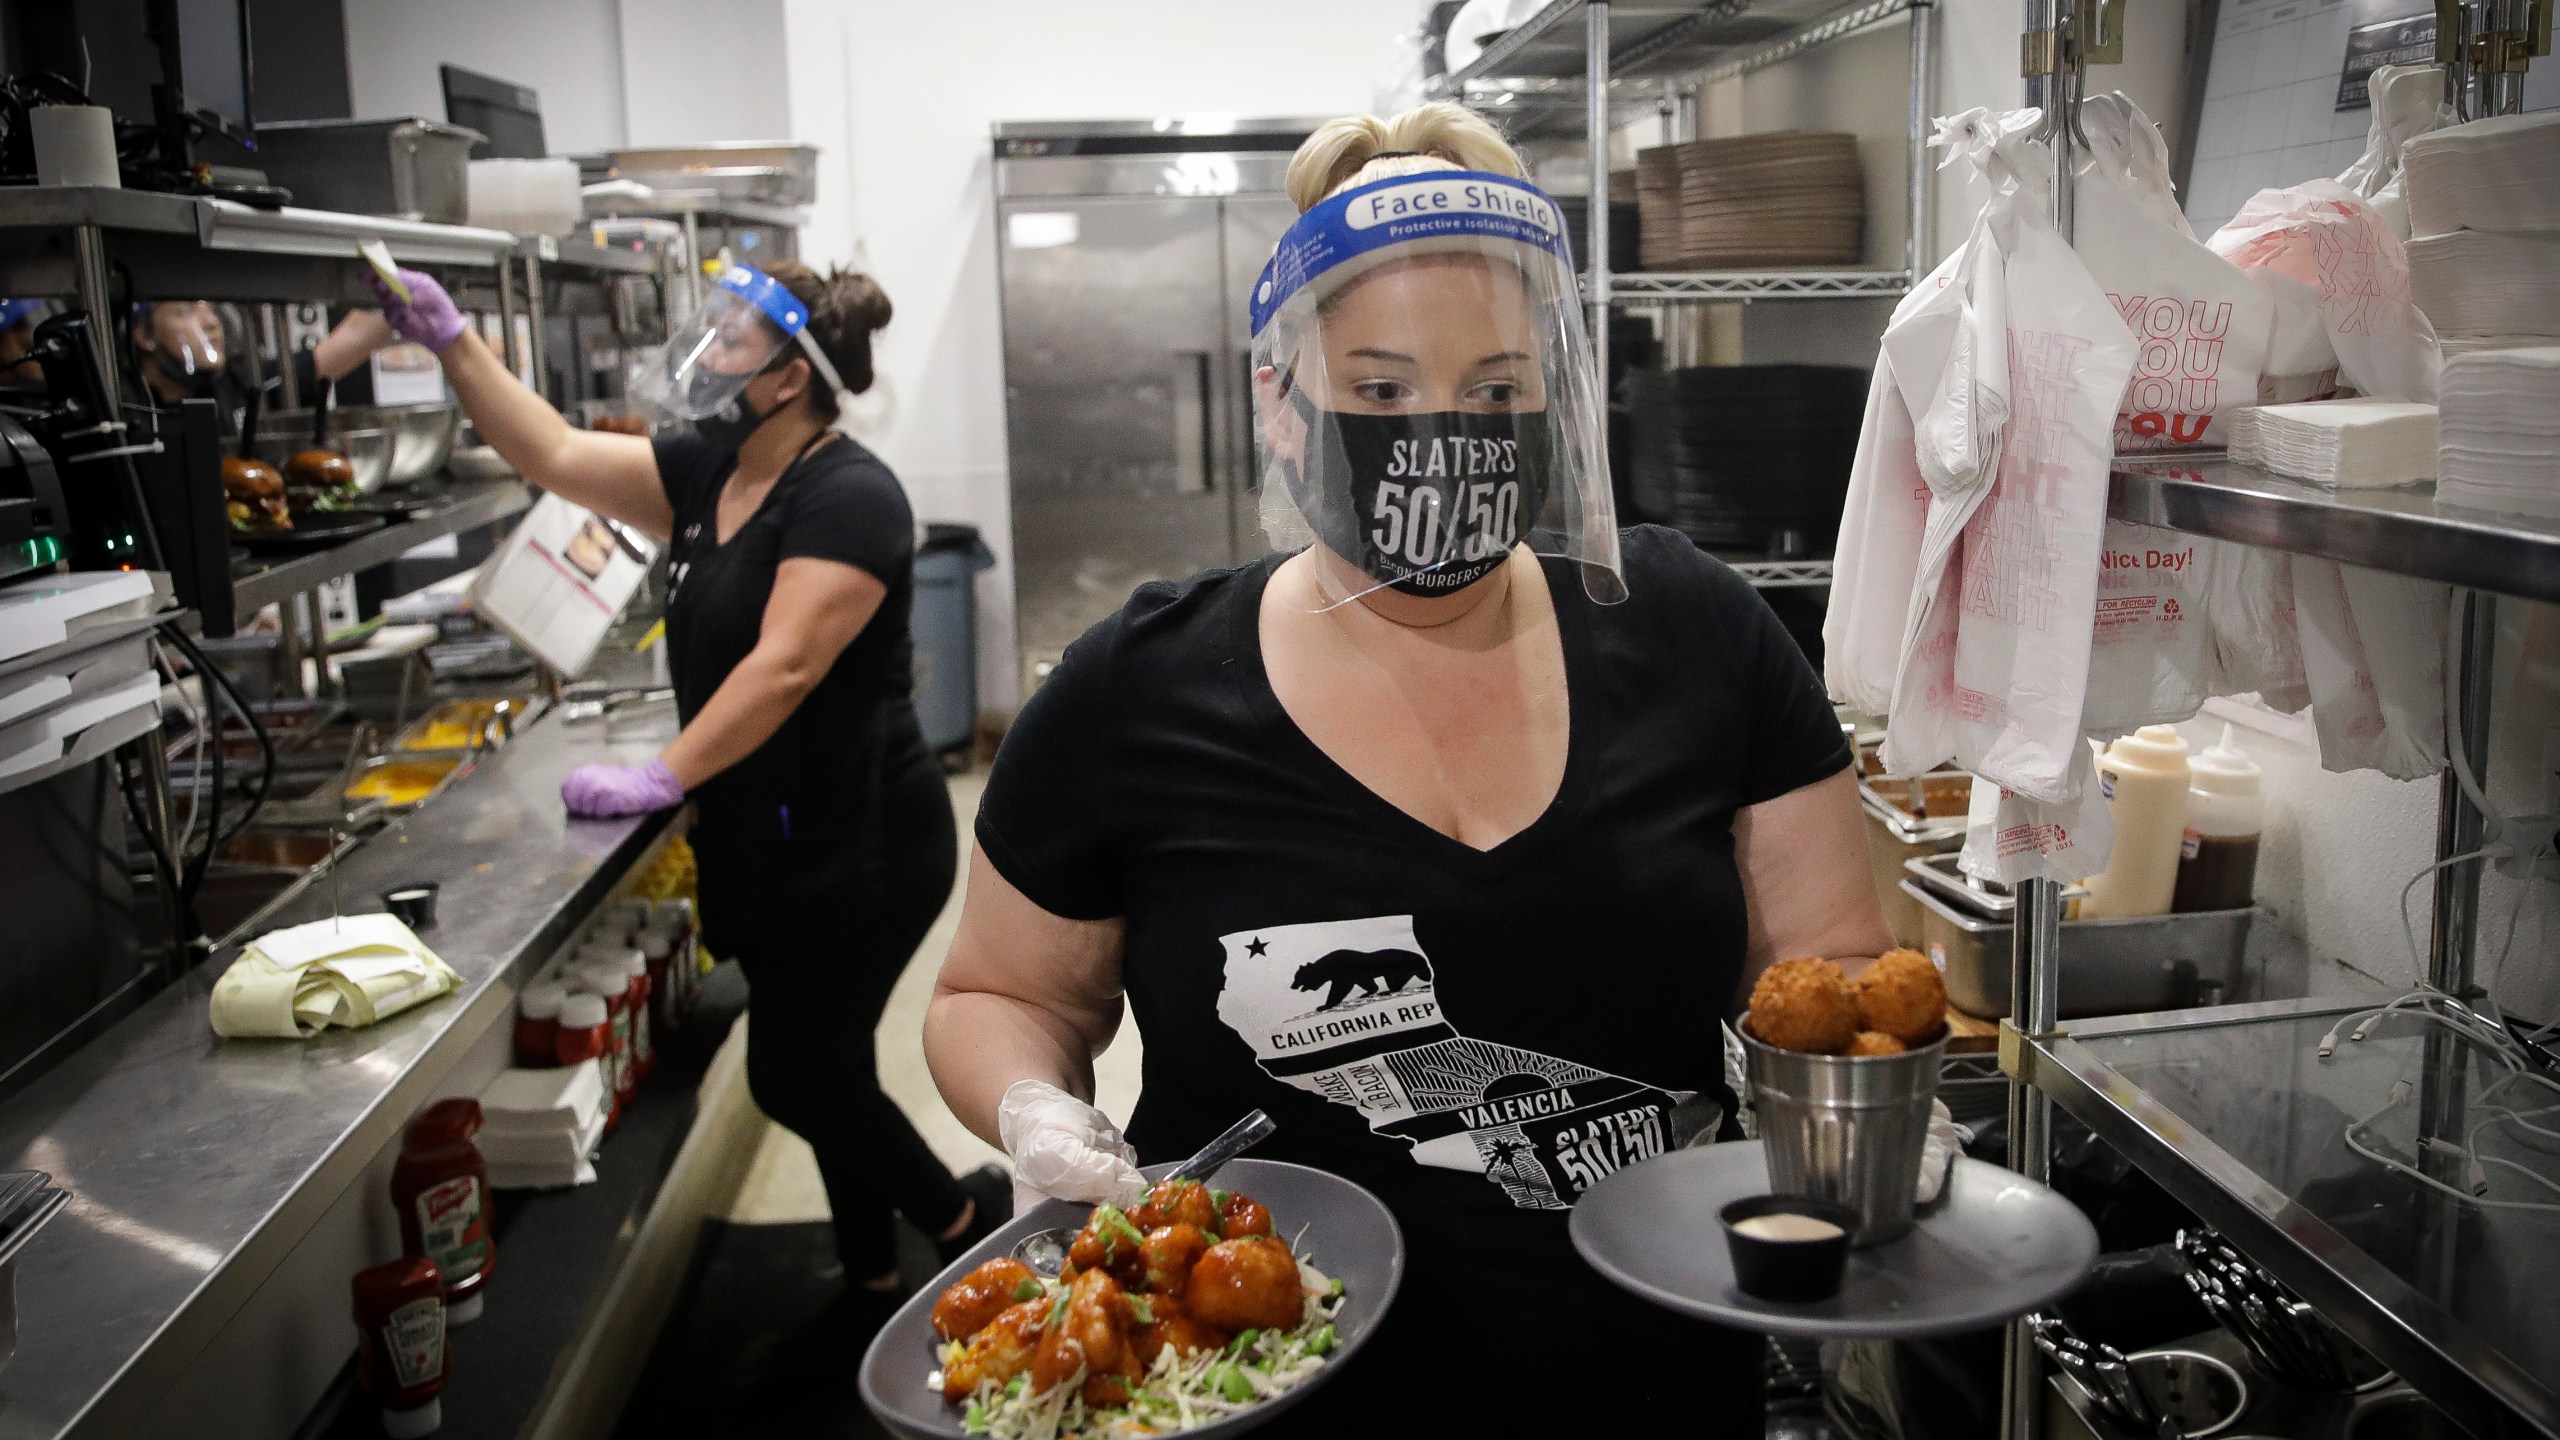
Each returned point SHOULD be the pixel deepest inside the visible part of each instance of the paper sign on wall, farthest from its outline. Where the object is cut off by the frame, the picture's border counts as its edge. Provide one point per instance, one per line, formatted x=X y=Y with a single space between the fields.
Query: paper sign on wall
x=560 y=581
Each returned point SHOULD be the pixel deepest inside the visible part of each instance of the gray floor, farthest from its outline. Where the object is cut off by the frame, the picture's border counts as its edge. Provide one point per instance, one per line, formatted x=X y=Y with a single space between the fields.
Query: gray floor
x=782 y=1184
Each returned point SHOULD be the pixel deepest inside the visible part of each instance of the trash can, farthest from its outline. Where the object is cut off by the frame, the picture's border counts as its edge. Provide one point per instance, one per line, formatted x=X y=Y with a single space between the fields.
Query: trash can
x=944 y=624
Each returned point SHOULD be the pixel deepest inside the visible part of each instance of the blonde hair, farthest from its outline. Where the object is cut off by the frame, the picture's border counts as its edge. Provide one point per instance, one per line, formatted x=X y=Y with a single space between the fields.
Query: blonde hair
x=1438 y=136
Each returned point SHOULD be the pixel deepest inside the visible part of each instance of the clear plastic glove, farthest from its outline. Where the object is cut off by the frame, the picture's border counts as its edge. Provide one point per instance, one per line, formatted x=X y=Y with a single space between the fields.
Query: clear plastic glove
x=595 y=791
x=1063 y=1148
x=428 y=316
x=1938 y=1153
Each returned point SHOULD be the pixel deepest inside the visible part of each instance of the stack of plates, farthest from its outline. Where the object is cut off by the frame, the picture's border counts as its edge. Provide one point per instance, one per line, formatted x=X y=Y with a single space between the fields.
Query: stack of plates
x=1658 y=207
x=1791 y=197
x=2502 y=173
x=1746 y=457
x=2480 y=282
x=2347 y=444
x=2501 y=428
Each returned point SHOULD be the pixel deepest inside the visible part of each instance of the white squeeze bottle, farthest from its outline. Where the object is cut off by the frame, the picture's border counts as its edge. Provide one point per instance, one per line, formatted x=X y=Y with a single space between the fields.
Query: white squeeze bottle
x=2144 y=777
x=2218 y=857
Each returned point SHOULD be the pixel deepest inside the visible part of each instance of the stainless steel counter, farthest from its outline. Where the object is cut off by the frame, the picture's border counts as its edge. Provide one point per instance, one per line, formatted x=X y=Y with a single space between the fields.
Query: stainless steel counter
x=196 y=1164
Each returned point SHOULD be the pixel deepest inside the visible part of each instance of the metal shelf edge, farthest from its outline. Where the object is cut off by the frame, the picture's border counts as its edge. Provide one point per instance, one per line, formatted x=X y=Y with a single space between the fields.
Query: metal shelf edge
x=1698 y=285
x=2484 y=1390
x=1838 y=25
x=2198 y=495
x=494 y=501
x=1490 y=60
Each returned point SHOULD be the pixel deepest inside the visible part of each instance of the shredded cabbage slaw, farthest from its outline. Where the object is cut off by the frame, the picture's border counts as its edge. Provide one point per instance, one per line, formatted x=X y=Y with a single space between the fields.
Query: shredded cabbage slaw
x=1181 y=1391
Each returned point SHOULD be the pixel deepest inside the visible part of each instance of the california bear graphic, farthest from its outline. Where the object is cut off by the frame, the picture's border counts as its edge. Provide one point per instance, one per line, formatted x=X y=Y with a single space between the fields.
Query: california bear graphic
x=1376 y=972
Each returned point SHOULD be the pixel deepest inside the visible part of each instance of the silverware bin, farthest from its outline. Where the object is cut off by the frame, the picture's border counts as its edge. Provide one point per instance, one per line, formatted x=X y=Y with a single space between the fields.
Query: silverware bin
x=2109 y=967
x=406 y=168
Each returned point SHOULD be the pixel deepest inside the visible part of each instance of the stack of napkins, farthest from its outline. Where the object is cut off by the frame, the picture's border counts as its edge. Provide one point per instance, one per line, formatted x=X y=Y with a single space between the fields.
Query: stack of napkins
x=2484 y=282
x=539 y=1127
x=293 y=983
x=2347 y=444
x=2501 y=431
x=2501 y=174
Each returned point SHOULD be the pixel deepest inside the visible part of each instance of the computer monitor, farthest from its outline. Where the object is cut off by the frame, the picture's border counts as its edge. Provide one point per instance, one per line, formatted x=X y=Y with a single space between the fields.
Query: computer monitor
x=207 y=66
x=508 y=113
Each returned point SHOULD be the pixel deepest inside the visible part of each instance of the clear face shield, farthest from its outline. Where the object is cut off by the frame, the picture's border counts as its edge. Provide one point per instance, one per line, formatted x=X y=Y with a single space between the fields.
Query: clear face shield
x=748 y=323
x=1425 y=402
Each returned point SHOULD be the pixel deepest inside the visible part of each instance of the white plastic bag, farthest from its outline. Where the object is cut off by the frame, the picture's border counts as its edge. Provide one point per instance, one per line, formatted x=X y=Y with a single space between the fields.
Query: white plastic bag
x=2014 y=445
x=2407 y=102
x=2153 y=656
x=1885 y=515
x=2201 y=325
x=2011 y=838
x=2335 y=266
x=2256 y=634
x=2373 y=658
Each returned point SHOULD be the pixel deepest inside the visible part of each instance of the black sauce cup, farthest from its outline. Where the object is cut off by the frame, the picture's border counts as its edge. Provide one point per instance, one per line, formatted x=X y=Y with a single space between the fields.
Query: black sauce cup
x=1792 y=1271
x=415 y=905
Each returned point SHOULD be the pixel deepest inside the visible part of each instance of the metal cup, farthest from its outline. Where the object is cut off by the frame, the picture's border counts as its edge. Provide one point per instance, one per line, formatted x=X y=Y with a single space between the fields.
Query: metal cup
x=1848 y=1130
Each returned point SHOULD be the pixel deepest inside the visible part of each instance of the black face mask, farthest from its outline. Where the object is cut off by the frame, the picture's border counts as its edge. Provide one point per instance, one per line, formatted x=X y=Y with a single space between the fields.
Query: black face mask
x=1427 y=504
x=736 y=421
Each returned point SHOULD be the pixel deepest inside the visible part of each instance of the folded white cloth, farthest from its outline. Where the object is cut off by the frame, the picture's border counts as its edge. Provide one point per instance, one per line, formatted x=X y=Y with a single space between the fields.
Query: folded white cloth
x=351 y=971
x=2501 y=427
x=2502 y=174
x=2474 y=282
x=2348 y=444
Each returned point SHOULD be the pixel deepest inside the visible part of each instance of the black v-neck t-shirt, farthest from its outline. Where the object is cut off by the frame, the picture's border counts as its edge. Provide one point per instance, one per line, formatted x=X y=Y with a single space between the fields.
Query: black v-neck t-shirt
x=821 y=772
x=1476 y=1036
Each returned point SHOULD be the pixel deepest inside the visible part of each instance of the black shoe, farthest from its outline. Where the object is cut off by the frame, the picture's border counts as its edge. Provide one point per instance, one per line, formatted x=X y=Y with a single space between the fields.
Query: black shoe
x=990 y=1188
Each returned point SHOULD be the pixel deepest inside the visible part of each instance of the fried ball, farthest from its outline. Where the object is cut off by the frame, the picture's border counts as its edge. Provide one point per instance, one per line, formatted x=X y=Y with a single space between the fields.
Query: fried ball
x=1804 y=1004
x=1092 y=1337
x=1169 y=1252
x=1109 y=1241
x=1902 y=995
x=1243 y=1215
x=1001 y=1349
x=1172 y=1328
x=1875 y=1042
x=1176 y=1202
x=981 y=1295
x=1248 y=1284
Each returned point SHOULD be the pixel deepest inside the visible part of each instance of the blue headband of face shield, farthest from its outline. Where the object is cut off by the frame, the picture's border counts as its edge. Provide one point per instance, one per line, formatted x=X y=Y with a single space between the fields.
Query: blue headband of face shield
x=776 y=302
x=1403 y=210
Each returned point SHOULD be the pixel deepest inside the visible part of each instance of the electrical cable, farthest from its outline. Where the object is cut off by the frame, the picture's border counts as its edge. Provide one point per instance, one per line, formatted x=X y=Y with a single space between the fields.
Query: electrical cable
x=221 y=679
x=182 y=918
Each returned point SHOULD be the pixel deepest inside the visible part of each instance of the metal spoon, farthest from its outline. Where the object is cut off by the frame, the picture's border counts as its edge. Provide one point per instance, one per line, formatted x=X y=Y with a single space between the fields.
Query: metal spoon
x=1045 y=1251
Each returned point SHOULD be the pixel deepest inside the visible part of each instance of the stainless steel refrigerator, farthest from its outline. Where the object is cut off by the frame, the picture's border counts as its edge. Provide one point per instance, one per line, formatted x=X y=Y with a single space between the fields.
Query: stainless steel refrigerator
x=1126 y=252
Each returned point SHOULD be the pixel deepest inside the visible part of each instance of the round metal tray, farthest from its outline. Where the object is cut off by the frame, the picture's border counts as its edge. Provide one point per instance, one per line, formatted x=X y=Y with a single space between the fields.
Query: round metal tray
x=1994 y=1245
x=1342 y=1227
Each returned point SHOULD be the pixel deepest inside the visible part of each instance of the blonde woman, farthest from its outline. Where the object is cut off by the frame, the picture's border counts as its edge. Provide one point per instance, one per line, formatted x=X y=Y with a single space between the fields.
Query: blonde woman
x=1445 y=836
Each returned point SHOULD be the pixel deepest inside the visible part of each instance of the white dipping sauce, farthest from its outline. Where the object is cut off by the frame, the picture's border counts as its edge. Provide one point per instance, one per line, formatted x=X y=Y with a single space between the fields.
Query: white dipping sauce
x=1786 y=1226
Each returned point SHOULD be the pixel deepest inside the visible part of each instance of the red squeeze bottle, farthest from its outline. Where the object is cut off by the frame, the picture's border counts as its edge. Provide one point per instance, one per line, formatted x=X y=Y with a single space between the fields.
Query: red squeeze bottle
x=401 y=1355
x=606 y=980
x=537 y=1040
x=440 y=1186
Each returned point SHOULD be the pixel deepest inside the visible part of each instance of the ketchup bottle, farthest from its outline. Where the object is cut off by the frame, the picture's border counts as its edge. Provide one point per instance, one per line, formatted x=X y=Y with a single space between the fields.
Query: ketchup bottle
x=401 y=1355
x=607 y=980
x=440 y=1186
x=537 y=1038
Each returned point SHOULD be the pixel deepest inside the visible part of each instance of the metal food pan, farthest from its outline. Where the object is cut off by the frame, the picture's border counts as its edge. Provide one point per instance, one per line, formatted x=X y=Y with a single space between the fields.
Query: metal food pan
x=2109 y=967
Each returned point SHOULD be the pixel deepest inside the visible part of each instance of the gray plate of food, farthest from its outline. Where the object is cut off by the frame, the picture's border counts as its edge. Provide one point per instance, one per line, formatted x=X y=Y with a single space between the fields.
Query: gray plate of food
x=1993 y=1245
x=1204 y=1310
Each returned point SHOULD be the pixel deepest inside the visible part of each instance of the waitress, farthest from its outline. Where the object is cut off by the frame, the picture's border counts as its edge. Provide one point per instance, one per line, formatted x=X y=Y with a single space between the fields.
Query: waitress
x=1446 y=837
x=823 y=827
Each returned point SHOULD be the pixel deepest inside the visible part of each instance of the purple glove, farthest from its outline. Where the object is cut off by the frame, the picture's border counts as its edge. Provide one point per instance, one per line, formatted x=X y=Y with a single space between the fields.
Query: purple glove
x=427 y=316
x=595 y=791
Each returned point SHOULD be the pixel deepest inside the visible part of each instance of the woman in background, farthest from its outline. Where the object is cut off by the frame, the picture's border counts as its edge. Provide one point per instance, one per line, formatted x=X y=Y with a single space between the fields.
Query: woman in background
x=822 y=824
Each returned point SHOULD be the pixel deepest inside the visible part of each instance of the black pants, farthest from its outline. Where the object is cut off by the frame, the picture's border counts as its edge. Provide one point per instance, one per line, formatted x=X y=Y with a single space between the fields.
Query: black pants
x=824 y=923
